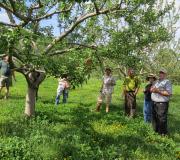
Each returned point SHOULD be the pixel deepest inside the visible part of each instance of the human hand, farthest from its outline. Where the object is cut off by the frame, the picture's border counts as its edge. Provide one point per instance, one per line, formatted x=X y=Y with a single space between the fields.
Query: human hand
x=155 y=90
x=144 y=91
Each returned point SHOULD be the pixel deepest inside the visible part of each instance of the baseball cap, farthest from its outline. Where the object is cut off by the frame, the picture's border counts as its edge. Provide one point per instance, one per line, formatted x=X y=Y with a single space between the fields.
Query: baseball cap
x=163 y=70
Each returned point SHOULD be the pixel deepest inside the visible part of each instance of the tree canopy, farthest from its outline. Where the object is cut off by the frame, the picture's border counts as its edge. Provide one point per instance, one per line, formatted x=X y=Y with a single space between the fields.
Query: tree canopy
x=89 y=33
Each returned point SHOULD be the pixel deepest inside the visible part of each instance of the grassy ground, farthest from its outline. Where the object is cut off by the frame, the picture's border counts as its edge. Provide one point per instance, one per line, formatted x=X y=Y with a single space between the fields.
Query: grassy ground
x=75 y=131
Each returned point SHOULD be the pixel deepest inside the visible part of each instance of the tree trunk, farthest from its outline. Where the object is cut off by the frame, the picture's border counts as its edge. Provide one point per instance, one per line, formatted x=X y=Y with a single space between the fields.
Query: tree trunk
x=34 y=79
x=30 y=101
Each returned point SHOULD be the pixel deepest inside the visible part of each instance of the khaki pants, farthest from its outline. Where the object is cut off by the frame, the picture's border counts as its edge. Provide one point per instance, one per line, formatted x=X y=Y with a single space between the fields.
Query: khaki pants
x=4 y=81
x=105 y=98
x=130 y=104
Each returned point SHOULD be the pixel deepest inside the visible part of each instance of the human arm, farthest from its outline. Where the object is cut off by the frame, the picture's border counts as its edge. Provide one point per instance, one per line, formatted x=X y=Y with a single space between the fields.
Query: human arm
x=163 y=93
x=13 y=75
x=138 y=83
x=136 y=91
x=124 y=88
x=101 y=89
x=102 y=84
x=113 y=82
x=146 y=89
x=67 y=85
x=167 y=90
x=124 y=91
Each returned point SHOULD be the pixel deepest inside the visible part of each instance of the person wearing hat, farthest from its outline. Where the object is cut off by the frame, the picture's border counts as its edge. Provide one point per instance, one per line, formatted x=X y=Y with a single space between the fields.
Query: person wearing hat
x=161 y=93
x=131 y=87
x=147 y=109
x=106 y=90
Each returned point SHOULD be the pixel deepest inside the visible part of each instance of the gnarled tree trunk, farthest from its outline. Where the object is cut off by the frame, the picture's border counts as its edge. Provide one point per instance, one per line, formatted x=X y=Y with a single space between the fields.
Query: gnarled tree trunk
x=34 y=79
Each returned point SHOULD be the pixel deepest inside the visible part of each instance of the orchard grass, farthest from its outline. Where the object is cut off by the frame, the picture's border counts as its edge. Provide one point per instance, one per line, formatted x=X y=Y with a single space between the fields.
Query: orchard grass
x=75 y=131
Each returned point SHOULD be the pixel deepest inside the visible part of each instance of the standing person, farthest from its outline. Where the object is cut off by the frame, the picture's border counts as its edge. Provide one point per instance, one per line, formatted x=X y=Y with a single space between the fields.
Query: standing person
x=106 y=90
x=147 y=109
x=5 y=75
x=161 y=92
x=63 y=86
x=131 y=87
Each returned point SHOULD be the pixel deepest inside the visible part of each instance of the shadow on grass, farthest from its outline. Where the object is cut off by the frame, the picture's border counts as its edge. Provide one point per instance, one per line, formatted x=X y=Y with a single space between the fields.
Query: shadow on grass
x=99 y=143
x=78 y=139
x=16 y=97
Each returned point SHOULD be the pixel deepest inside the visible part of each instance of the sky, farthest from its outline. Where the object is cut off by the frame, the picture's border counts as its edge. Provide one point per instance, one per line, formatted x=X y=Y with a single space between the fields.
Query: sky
x=53 y=20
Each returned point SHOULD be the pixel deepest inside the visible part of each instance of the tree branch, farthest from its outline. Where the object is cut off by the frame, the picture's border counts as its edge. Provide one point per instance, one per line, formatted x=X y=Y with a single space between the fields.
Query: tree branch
x=96 y=7
x=20 y=16
x=103 y=4
x=53 y=13
x=60 y=52
x=39 y=5
x=12 y=5
x=8 y=24
x=9 y=13
x=83 y=45
x=11 y=18
x=80 y=46
x=121 y=70
x=75 y=24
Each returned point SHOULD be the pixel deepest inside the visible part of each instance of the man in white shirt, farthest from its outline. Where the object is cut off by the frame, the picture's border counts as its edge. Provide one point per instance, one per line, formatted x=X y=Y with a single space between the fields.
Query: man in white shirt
x=63 y=86
x=106 y=90
x=161 y=93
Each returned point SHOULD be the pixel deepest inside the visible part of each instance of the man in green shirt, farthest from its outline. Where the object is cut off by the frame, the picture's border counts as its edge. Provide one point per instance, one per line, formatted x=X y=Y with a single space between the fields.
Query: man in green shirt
x=131 y=87
x=5 y=72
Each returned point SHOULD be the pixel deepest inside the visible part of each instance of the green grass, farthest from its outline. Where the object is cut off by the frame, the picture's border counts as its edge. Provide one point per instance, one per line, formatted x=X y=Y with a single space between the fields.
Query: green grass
x=75 y=131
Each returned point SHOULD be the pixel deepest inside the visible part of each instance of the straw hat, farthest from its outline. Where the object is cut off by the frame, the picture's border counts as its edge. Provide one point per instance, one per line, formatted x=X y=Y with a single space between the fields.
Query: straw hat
x=151 y=76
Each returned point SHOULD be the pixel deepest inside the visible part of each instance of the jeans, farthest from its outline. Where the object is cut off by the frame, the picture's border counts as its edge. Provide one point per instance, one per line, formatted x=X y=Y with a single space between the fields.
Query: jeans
x=65 y=96
x=147 y=110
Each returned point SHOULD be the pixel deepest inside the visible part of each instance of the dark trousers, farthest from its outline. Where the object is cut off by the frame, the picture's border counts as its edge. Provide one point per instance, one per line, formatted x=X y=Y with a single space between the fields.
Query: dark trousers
x=130 y=104
x=159 y=117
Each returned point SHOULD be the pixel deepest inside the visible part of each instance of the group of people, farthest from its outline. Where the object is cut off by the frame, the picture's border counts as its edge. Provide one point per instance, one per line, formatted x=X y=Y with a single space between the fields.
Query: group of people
x=157 y=95
x=156 y=100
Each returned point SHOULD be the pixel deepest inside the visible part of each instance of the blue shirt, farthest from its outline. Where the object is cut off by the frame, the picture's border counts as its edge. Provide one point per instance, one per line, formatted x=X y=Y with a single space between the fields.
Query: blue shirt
x=5 y=68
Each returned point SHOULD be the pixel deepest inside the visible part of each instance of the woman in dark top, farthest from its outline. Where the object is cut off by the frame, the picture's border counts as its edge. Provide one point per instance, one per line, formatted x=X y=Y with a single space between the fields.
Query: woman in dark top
x=147 y=110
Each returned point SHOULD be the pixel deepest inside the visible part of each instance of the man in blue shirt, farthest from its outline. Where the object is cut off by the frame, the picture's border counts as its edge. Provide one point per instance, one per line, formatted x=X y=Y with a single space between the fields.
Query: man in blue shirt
x=5 y=73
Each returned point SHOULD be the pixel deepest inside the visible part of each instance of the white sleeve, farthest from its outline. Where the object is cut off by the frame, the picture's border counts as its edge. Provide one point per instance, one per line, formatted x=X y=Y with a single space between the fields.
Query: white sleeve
x=113 y=81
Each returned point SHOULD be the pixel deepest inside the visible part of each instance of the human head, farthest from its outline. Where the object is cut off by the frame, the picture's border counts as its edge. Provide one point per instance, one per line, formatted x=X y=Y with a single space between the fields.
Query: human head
x=162 y=74
x=151 y=78
x=6 y=57
x=108 y=71
x=64 y=76
x=131 y=72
